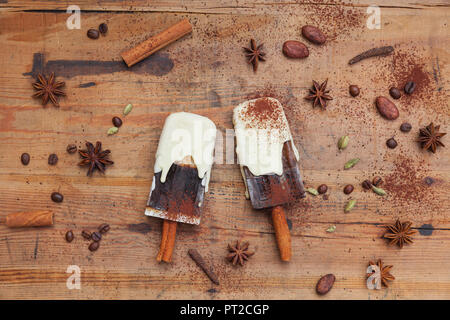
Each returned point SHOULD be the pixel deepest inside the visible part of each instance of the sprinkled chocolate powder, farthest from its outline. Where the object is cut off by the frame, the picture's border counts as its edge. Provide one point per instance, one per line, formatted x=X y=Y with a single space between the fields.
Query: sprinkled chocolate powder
x=285 y=96
x=408 y=67
x=336 y=20
x=264 y=113
x=406 y=186
x=412 y=62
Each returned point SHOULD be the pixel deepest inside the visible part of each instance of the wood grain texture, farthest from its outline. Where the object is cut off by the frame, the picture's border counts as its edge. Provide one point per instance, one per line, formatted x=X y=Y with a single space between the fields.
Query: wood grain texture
x=206 y=73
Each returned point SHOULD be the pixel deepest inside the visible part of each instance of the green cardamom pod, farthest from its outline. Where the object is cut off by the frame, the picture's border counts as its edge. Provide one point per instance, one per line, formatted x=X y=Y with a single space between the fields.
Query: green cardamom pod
x=378 y=191
x=350 y=205
x=343 y=142
x=313 y=191
x=331 y=229
x=127 y=109
x=113 y=130
x=351 y=163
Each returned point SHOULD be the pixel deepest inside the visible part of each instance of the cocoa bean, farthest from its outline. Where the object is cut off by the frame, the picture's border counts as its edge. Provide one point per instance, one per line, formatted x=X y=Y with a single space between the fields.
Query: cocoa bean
x=387 y=108
x=313 y=34
x=325 y=284
x=295 y=49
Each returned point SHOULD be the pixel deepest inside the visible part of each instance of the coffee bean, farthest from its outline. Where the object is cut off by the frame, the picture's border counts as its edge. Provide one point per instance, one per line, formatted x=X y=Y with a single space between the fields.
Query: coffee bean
x=57 y=197
x=376 y=181
x=103 y=228
x=25 y=159
x=71 y=148
x=69 y=236
x=395 y=93
x=409 y=87
x=96 y=236
x=117 y=122
x=387 y=108
x=94 y=246
x=86 y=234
x=295 y=49
x=322 y=189
x=313 y=34
x=93 y=34
x=391 y=143
x=103 y=28
x=325 y=284
x=366 y=184
x=405 y=127
x=52 y=159
x=354 y=90
x=348 y=189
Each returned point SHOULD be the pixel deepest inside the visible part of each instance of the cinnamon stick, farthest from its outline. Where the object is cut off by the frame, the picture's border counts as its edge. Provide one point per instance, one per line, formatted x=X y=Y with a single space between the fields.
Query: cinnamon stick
x=282 y=233
x=40 y=218
x=153 y=44
x=169 y=232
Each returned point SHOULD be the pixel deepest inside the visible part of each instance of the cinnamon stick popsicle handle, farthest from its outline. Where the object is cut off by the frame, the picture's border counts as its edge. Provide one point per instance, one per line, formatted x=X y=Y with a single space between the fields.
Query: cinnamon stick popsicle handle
x=153 y=44
x=282 y=233
x=169 y=232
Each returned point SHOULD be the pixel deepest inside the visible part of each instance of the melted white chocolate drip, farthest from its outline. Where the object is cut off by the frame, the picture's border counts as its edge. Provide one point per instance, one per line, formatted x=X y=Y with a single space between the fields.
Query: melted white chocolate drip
x=259 y=144
x=186 y=134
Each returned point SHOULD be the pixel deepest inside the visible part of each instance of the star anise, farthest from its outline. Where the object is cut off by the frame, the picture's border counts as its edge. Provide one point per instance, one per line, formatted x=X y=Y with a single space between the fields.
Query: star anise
x=94 y=157
x=254 y=54
x=48 y=89
x=400 y=233
x=319 y=94
x=385 y=274
x=239 y=253
x=430 y=137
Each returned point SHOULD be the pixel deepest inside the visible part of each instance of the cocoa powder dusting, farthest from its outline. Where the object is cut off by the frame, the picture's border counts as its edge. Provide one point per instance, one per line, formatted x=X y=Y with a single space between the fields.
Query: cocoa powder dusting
x=265 y=114
x=284 y=95
x=407 y=185
x=181 y=207
x=407 y=67
x=334 y=18
x=411 y=62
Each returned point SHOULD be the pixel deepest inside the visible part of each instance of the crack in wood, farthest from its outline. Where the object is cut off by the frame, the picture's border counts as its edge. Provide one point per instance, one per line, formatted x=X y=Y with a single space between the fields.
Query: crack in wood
x=210 y=10
x=36 y=247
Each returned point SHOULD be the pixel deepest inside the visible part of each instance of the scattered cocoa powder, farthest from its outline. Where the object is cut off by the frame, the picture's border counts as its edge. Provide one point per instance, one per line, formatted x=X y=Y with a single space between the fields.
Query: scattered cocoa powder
x=287 y=98
x=335 y=20
x=283 y=95
x=408 y=67
x=264 y=113
x=407 y=185
x=413 y=62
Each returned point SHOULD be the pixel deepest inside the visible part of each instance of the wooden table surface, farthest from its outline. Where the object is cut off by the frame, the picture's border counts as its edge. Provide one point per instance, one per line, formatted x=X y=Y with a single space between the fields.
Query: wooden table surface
x=206 y=73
